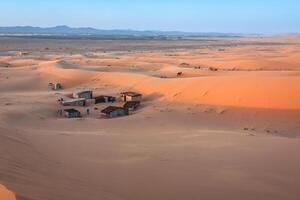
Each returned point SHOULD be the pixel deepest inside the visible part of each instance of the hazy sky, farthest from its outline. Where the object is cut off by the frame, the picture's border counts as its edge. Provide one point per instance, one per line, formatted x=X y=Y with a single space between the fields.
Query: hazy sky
x=235 y=16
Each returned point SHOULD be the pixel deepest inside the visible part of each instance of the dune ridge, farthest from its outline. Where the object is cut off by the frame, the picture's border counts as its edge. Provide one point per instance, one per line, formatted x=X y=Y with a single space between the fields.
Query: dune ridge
x=241 y=90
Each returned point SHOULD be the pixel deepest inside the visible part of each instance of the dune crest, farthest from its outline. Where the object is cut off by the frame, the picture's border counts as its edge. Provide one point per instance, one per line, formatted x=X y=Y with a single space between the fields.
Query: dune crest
x=257 y=90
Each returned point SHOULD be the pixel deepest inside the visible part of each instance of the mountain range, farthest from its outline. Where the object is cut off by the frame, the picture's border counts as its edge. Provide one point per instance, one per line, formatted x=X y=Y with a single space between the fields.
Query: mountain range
x=57 y=30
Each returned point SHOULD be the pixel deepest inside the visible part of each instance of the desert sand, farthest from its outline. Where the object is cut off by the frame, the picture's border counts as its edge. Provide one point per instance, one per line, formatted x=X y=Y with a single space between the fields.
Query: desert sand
x=6 y=194
x=226 y=127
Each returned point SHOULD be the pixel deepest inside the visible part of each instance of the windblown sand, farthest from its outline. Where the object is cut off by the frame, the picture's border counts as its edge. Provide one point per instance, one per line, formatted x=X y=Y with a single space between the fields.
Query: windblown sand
x=5 y=194
x=228 y=127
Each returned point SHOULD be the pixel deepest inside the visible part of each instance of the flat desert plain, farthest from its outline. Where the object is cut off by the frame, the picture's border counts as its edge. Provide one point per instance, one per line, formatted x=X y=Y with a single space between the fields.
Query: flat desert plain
x=219 y=119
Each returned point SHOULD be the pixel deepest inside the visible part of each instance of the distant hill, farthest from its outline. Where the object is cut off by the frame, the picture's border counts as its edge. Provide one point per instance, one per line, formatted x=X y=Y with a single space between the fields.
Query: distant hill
x=92 y=31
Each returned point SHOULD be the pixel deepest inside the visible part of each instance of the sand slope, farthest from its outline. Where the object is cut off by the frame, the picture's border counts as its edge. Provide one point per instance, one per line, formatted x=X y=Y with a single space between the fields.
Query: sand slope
x=230 y=133
x=5 y=194
x=271 y=90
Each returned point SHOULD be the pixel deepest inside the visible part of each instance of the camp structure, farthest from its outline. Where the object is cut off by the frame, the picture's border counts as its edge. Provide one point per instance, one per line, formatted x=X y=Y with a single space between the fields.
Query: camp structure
x=104 y=99
x=55 y=86
x=113 y=111
x=131 y=105
x=72 y=113
x=131 y=96
x=23 y=53
x=87 y=94
x=74 y=102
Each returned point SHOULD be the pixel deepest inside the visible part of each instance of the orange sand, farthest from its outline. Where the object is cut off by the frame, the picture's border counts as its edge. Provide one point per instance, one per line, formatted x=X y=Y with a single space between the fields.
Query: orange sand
x=226 y=134
x=6 y=194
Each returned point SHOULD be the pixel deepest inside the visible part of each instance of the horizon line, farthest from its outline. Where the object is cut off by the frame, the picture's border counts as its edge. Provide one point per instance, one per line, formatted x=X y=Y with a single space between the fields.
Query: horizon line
x=146 y=30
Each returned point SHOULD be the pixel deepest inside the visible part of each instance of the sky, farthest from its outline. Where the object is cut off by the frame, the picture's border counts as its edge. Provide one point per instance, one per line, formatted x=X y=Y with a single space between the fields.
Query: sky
x=226 y=16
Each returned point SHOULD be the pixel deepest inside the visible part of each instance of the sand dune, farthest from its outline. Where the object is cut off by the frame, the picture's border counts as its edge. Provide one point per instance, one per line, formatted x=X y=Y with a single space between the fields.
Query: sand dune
x=257 y=90
x=226 y=128
x=6 y=194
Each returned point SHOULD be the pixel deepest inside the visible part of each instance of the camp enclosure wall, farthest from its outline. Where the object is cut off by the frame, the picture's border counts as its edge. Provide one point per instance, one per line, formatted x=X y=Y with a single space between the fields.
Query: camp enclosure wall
x=75 y=102
x=117 y=113
x=55 y=86
x=131 y=105
x=112 y=111
x=72 y=113
x=87 y=94
x=104 y=99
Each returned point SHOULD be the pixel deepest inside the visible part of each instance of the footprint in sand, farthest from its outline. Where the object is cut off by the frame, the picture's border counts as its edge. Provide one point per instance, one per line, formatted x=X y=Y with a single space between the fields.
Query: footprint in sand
x=205 y=93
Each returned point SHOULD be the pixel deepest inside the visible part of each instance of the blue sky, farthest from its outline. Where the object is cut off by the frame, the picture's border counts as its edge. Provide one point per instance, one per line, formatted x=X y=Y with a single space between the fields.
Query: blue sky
x=234 y=16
